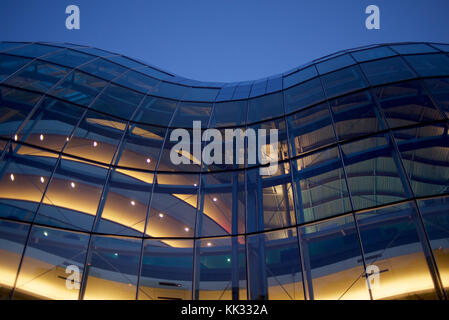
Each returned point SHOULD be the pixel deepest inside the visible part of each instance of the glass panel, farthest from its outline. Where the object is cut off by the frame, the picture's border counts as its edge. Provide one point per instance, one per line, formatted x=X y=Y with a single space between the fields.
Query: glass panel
x=443 y=47
x=265 y=107
x=274 y=266
x=25 y=174
x=141 y=146
x=169 y=90
x=374 y=175
x=72 y=181
x=69 y=58
x=103 y=69
x=413 y=48
x=118 y=101
x=173 y=206
x=300 y=76
x=10 y=64
x=430 y=64
x=436 y=221
x=406 y=103
x=192 y=111
x=33 y=50
x=79 y=88
x=53 y=265
x=201 y=94
x=258 y=88
x=51 y=124
x=425 y=156
x=124 y=61
x=167 y=270
x=156 y=111
x=222 y=269
x=15 y=106
x=303 y=95
x=222 y=210
x=96 y=137
x=343 y=81
x=94 y=51
x=333 y=261
x=138 y=81
x=269 y=201
x=310 y=129
x=39 y=76
x=112 y=269
x=386 y=70
x=393 y=247
x=5 y=46
x=439 y=89
x=372 y=54
x=125 y=209
x=12 y=239
x=356 y=115
x=320 y=185
x=228 y=114
x=155 y=73
x=335 y=63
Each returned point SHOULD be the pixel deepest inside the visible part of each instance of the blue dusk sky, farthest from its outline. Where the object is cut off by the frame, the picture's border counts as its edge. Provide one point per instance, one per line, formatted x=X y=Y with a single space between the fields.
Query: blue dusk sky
x=226 y=40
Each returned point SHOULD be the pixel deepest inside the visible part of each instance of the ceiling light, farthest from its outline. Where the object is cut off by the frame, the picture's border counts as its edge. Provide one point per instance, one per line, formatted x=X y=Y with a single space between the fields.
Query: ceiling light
x=186 y=229
x=195 y=185
x=41 y=137
x=42 y=179
x=161 y=215
x=15 y=137
x=45 y=233
x=214 y=199
x=11 y=176
x=133 y=203
x=209 y=244
x=72 y=184
x=95 y=144
x=148 y=160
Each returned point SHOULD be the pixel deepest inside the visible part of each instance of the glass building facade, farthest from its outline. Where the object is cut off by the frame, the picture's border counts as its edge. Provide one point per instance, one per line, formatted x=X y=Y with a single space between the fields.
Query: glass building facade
x=358 y=208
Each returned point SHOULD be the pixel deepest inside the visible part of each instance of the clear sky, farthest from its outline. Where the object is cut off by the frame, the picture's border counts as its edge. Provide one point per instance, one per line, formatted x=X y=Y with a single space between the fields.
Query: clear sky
x=225 y=40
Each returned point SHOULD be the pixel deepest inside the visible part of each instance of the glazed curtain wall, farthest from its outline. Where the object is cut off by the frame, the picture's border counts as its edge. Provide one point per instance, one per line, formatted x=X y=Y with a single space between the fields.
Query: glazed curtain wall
x=86 y=179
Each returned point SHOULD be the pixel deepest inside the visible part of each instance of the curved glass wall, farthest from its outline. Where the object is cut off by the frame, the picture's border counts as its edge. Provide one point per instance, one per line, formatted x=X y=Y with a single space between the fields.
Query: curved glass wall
x=92 y=207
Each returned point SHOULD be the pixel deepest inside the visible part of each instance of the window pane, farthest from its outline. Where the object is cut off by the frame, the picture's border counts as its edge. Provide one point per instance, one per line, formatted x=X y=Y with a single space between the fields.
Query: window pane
x=50 y=258
x=303 y=95
x=96 y=137
x=429 y=64
x=333 y=262
x=393 y=246
x=222 y=204
x=320 y=186
x=201 y=94
x=373 y=171
x=103 y=69
x=436 y=221
x=25 y=174
x=343 y=81
x=15 y=106
x=167 y=270
x=10 y=64
x=72 y=181
x=310 y=129
x=413 y=48
x=12 y=239
x=425 y=156
x=51 y=124
x=300 y=76
x=113 y=268
x=138 y=81
x=125 y=209
x=228 y=114
x=274 y=266
x=192 y=111
x=173 y=206
x=79 y=88
x=222 y=268
x=439 y=89
x=356 y=115
x=141 y=146
x=406 y=103
x=335 y=63
x=269 y=201
x=169 y=90
x=124 y=61
x=156 y=111
x=39 y=76
x=118 y=101
x=386 y=70
x=69 y=58
x=443 y=47
x=265 y=107
x=372 y=54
